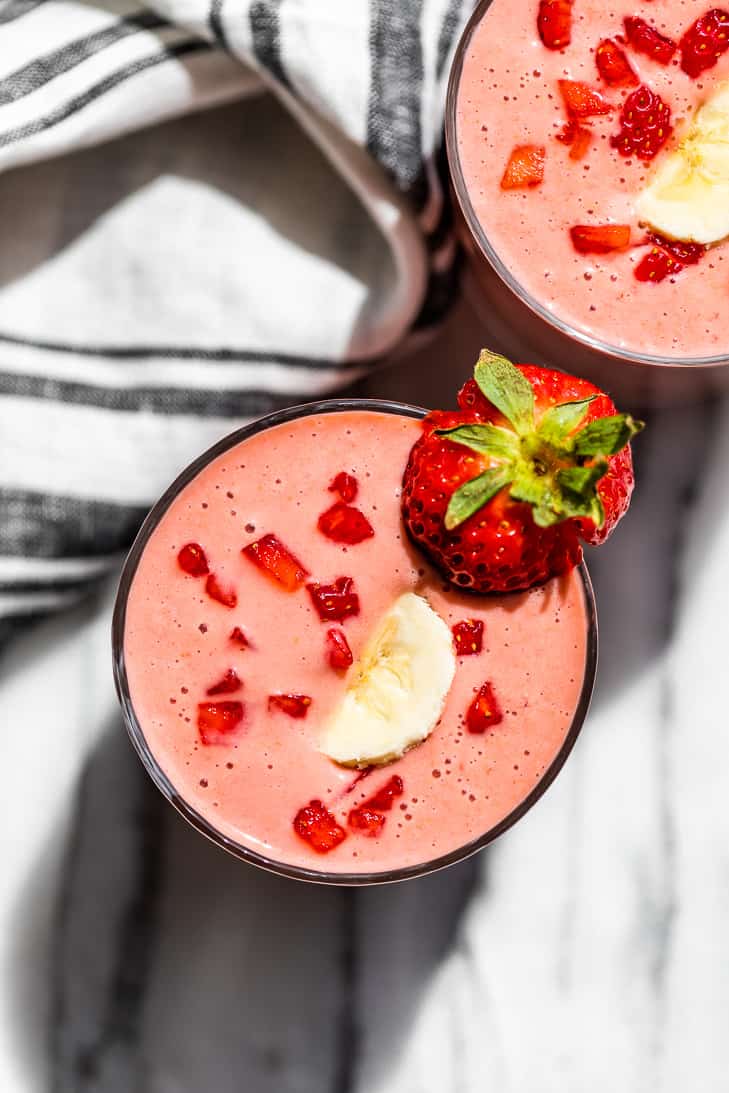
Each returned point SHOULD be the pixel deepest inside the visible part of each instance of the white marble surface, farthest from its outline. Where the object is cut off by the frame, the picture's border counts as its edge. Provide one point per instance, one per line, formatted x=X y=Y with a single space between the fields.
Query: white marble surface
x=586 y=950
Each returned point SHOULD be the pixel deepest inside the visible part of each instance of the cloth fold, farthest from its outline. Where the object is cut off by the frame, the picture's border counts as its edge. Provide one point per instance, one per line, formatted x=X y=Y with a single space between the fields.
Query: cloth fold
x=161 y=289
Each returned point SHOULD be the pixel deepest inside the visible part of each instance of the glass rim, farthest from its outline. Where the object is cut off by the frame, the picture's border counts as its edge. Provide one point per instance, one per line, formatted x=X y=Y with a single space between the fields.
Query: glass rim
x=489 y=252
x=164 y=783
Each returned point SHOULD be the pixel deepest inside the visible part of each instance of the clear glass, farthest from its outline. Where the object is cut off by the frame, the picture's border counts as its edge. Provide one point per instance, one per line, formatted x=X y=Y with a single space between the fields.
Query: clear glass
x=484 y=248
x=136 y=732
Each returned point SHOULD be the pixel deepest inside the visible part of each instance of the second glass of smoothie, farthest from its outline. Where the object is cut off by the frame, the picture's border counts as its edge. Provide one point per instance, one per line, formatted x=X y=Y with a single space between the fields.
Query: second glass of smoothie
x=588 y=310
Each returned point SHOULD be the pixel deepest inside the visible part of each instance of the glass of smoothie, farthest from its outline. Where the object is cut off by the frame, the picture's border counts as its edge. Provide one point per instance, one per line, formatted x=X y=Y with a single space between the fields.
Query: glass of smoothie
x=587 y=146
x=273 y=614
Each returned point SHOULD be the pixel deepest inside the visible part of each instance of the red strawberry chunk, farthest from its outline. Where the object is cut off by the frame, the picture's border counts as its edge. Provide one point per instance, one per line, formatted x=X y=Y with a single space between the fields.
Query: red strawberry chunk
x=216 y=591
x=600 y=238
x=688 y=253
x=484 y=712
x=334 y=602
x=667 y=258
x=192 y=560
x=468 y=636
x=554 y=23
x=646 y=39
x=704 y=42
x=581 y=100
x=338 y=652
x=226 y=685
x=238 y=638
x=525 y=168
x=382 y=801
x=217 y=721
x=345 y=485
x=613 y=65
x=579 y=137
x=293 y=705
x=645 y=125
x=366 y=821
x=316 y=825
x=344 y=524
x=277 y=562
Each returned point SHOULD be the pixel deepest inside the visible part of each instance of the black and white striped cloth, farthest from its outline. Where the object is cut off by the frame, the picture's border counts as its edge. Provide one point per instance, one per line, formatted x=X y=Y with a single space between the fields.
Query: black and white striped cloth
x=148 y=307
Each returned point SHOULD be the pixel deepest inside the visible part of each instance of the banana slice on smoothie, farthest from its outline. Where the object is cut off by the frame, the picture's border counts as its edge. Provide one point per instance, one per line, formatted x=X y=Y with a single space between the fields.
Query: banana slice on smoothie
x=688 y=196
x=397 y=689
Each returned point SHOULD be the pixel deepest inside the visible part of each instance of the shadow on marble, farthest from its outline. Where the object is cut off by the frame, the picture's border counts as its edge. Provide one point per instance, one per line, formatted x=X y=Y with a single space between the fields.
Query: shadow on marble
x=177 y=968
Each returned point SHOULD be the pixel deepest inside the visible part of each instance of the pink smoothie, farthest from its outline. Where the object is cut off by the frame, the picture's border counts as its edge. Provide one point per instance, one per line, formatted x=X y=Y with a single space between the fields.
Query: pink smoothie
x=508 y=95
x=457 y=786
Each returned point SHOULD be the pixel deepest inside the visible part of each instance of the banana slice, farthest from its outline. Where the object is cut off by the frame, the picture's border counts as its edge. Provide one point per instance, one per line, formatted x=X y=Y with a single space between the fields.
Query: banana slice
x=688 y=196
x=397 y=690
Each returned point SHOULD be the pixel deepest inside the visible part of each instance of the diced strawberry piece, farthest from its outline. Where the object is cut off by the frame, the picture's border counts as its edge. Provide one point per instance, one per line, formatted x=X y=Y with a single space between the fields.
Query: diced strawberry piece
x=704 y=42
x=525 y=168
x=238 y=638
x=646 y=39
x=382 y=801
x=216 y=591
x=657 y=265
x=344 y=524
x=600 y=238
x=334 y=602
x=217 y=721
x=365 y=821
x=316 y=825
x=645 y=125
x=468 y=636
x=227 y=685
x=554 y=23
x=484 y=712
x=338 y=652
x=579 y=137
x=192 y=560
x=345 y=485
x=613 y=65
x=687 y=253
x=278 y=563
x=293 y=705
x=581 y=143
x=581 y=100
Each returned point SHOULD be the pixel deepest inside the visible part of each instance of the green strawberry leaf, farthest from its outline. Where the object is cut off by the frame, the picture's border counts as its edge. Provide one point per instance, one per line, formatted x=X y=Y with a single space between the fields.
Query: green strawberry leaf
x=559 y=422
x=507 y=389
x=581 y=481
x=487 y=439
x=607 y=435
x=474 y=494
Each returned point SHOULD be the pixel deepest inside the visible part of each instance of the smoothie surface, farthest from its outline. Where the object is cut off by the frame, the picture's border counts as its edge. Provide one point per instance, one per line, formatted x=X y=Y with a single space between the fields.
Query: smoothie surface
x=457 y=785
x=508 y=95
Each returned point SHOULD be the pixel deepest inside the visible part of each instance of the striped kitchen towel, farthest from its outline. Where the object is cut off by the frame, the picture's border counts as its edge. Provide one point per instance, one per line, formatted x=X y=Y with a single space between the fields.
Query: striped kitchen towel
x=160 y=289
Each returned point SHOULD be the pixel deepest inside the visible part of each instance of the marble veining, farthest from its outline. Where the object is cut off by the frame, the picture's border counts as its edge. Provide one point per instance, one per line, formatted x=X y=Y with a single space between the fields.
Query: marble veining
x=585 y=950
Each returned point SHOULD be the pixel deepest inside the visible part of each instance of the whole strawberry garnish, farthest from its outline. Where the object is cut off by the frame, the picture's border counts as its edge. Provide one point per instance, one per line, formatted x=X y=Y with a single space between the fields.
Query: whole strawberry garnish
x=704 y=42
x=500 y=494
x=646 y=39
x=554 y=23
x=645 y=125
